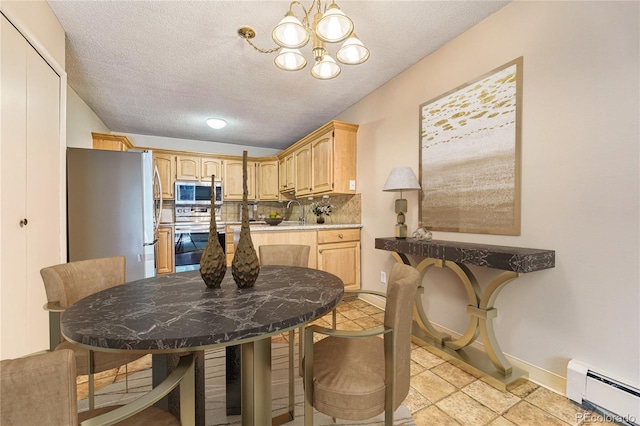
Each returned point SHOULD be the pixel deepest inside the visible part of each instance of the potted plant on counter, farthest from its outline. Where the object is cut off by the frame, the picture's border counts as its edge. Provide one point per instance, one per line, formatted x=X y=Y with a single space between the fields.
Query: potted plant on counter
x=321 y=208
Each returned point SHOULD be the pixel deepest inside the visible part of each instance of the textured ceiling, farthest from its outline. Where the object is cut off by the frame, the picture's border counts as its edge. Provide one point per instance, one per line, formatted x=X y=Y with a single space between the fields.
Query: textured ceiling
x=163 y=67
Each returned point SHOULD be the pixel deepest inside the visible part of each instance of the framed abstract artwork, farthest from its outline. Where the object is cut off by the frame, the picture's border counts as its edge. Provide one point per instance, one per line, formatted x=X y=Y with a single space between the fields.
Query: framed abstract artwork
x=470 y=155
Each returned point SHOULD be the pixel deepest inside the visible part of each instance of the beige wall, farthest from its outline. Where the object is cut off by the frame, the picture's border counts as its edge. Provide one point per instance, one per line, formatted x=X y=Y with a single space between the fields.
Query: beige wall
x=81 y=121
x=580 y=192
x=36 y=18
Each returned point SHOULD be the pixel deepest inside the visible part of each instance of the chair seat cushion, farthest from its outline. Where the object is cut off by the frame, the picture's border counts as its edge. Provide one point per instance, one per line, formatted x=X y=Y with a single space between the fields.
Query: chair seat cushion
x=348 y=377
x=102 y=360
x=150 y=416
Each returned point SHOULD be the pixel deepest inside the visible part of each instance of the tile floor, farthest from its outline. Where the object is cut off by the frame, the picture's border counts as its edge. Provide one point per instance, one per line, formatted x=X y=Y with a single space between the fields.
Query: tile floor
x=441 y=393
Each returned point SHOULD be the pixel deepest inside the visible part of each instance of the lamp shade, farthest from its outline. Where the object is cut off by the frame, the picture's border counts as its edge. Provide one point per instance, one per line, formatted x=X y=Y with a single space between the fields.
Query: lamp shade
x=325 y=69
x=290 y=33
x=290 y=60
x=334 y=26
x=352 y=51
x=401 y=179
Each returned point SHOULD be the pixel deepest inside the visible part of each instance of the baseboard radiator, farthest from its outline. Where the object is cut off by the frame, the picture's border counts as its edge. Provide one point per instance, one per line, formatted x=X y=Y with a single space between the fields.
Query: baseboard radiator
x=612 y=399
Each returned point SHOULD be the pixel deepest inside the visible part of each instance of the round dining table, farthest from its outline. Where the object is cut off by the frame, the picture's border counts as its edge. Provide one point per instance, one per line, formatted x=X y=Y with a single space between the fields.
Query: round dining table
x=176 y=313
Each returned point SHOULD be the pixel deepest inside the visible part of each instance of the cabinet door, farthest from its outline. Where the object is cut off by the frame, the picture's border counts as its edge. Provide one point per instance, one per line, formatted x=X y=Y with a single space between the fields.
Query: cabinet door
x=343 y=260
x=165 y=255
x=233 y=180
x=322 y=163
x=282 y=173
x=211 y=166
x=188 y=167
x=290 y=177
x=31 y=177
x=268 y=181
x=302 y=160
x=166 y=164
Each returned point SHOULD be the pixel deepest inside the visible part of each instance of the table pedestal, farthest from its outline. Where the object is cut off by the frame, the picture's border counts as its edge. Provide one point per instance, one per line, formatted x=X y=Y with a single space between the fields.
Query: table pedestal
x=256 y=383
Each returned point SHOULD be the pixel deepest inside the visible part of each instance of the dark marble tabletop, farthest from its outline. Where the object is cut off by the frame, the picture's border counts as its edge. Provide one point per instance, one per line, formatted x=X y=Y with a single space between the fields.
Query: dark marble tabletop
x=517 y=259
x=177 y=312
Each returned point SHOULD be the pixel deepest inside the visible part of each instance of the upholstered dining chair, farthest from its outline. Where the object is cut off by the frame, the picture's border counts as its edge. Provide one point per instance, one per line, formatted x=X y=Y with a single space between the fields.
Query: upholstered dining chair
x=67 y=283
x=289 y=255
x=356 y=375
x=41 y=390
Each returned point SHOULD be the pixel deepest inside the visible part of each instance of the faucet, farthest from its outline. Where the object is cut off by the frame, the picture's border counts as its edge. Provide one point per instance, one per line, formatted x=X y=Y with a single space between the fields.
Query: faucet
x=301 y=219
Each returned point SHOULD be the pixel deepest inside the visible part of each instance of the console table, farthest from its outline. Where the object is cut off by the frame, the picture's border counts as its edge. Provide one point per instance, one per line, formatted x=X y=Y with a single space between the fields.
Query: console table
x=513 y=261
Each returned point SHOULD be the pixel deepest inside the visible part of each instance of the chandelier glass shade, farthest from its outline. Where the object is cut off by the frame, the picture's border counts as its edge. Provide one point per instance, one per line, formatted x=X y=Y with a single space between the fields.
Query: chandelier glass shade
x=330 y=26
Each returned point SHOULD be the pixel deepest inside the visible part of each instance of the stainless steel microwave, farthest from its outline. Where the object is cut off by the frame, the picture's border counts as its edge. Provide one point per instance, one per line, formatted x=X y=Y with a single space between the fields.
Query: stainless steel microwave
x=192 y=192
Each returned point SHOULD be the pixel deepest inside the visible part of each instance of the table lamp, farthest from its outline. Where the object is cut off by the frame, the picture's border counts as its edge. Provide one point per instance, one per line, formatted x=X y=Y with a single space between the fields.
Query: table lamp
x=401 y=179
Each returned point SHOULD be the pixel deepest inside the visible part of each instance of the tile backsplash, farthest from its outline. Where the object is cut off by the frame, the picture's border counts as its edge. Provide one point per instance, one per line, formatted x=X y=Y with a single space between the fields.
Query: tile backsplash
x=345 y=209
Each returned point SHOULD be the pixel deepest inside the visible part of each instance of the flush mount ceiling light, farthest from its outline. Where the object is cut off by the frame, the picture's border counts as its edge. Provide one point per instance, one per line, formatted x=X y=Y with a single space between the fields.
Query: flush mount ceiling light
x=329 y=25
x=216 y=123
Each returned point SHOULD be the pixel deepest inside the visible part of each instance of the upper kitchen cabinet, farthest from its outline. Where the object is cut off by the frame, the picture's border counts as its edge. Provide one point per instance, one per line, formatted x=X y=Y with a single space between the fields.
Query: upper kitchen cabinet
x=324 y=161
x=267 y=180
x=287 y=174
x=302 y=164
x=166 y=164
x=111 y=142
x=233 y=180
x=187 y=167
x=211 y=166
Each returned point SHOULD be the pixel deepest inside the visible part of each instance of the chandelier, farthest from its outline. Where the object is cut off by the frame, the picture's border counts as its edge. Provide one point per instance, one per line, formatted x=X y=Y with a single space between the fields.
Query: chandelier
x=330 y=25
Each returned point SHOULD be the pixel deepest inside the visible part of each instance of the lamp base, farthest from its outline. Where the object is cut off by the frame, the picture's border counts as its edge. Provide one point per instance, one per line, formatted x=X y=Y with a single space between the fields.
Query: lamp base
x=401 y=231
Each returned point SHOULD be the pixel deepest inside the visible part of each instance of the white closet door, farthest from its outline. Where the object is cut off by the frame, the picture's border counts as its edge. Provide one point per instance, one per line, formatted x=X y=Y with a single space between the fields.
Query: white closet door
x=13 y=189
x=43 y=197
x=30 y=170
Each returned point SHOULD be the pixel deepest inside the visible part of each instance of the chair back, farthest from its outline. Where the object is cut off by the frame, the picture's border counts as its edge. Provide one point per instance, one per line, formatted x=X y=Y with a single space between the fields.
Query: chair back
x=401 y=293
x=284 y=254
x=69 y=282
x=39 y=390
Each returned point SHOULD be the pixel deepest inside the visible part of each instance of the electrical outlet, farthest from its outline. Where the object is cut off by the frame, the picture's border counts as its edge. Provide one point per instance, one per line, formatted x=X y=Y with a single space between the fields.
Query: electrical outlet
x=383 y=277
x=352 y=185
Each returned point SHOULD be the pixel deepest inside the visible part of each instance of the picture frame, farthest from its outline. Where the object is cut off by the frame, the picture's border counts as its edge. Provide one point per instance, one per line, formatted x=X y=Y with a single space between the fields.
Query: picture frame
x=470 y=155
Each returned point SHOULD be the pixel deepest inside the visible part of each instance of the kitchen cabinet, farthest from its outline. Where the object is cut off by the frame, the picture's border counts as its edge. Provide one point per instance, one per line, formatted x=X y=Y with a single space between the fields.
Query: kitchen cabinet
x=287 y=174
x=339 y=254
x=323 y=162
x=267 y=181
x=166 y=164
x=165 y=250
x=32 y=167
x=302 y=161
x=211 y=166
x=111 y=142
x=233 y=180
x=187 y=167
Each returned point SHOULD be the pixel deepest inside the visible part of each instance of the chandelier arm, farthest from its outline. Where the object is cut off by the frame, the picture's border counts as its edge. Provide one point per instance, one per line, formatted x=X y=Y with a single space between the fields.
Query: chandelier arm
x=305 y=20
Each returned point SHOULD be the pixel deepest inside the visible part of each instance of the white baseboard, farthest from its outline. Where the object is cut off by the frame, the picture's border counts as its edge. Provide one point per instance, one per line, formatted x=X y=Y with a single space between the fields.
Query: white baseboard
x=537 y=375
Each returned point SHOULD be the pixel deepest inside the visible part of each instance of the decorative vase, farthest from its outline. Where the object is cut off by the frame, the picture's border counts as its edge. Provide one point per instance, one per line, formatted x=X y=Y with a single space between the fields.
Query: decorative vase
x=213 y=263
x=245 y=266
x=320 y=219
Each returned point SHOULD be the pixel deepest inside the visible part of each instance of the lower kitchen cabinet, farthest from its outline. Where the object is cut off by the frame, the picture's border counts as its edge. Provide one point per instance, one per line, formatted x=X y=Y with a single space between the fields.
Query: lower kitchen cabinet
x=339 y=254
x=165 y=251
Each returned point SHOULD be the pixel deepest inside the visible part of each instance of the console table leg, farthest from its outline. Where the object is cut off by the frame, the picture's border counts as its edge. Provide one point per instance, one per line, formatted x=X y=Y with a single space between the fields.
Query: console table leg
x=487 y=333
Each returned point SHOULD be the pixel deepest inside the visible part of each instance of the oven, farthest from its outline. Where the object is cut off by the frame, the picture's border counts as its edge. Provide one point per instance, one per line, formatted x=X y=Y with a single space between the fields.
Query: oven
x=191 y=236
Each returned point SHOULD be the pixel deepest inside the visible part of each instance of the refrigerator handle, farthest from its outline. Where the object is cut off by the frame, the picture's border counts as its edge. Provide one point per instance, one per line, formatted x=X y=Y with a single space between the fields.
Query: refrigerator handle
x=156 y=178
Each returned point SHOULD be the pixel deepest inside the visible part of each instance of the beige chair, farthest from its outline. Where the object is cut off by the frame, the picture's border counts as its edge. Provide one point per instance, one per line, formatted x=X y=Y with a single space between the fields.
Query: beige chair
x=355 y=375
x=289 y=255
x=67 y=283
x=41 y=390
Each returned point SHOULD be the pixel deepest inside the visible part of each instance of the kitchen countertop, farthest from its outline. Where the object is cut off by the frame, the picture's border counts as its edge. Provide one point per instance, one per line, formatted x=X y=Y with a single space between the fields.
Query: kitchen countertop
x=294 y=226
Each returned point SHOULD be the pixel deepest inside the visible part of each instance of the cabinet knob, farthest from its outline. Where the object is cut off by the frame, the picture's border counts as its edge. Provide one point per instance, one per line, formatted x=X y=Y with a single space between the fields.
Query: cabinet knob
x=23 y=222
x=340 y=236
x=320 y=251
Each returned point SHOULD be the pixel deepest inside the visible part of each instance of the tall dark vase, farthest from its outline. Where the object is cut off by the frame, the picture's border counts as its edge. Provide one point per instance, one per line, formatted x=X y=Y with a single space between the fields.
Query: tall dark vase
x=245 y=266
x=213 y=263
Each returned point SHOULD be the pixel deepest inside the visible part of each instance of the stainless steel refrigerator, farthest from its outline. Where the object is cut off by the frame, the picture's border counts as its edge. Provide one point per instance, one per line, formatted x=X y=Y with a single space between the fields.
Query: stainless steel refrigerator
x=110 y=208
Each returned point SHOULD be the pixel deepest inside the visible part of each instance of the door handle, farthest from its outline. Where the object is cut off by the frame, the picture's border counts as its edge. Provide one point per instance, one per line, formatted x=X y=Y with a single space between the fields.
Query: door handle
x=153 y=243
x=23 y=222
